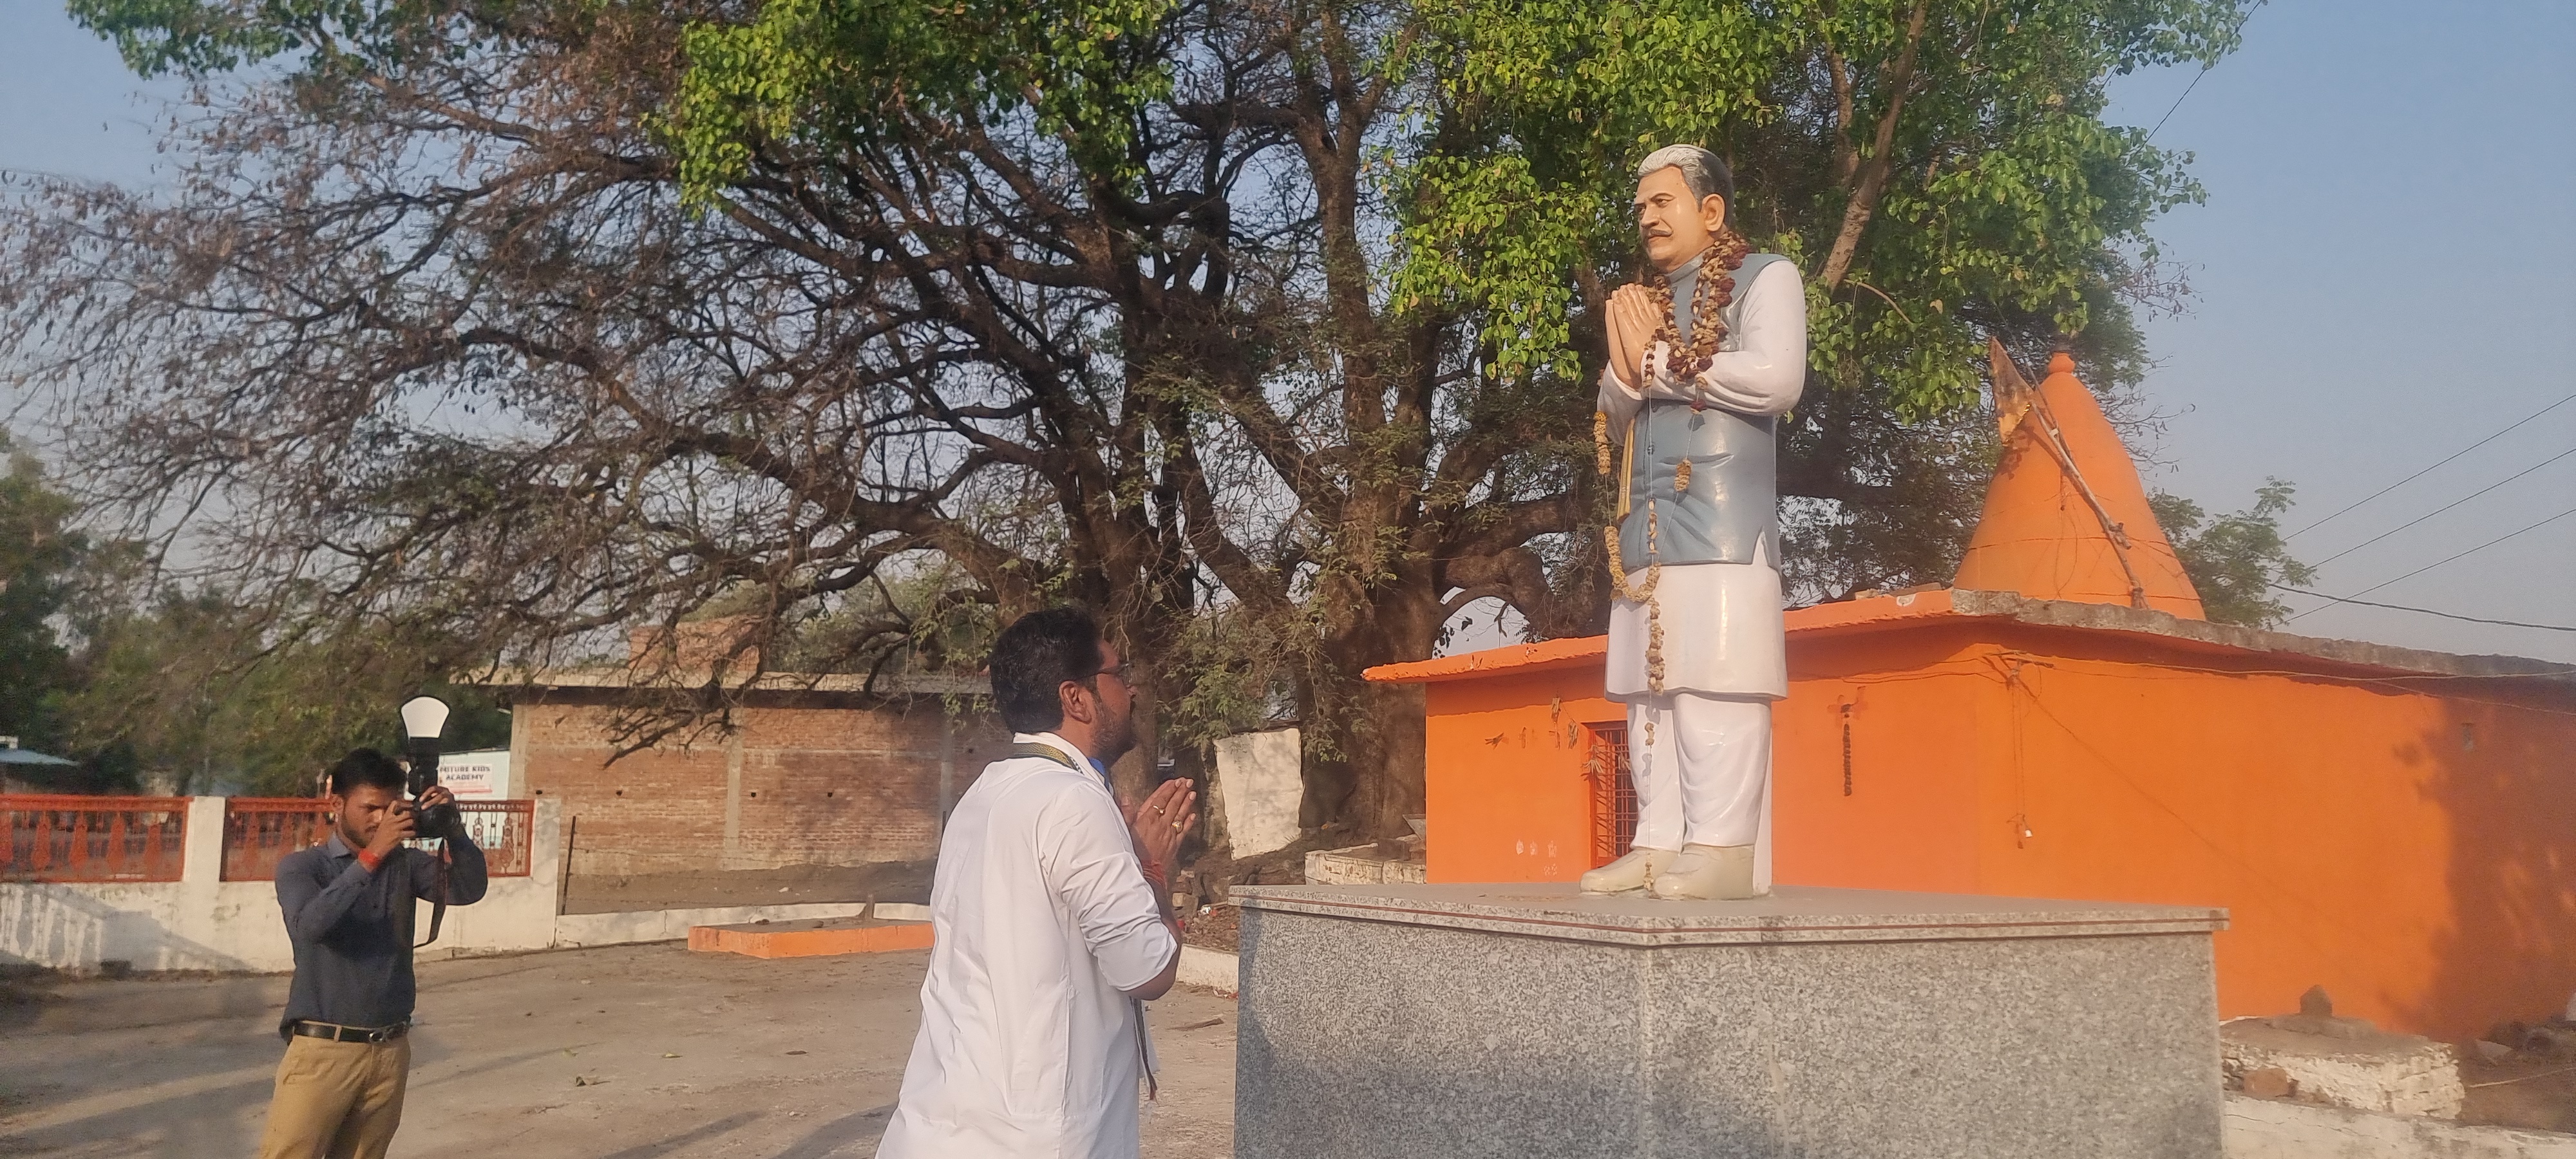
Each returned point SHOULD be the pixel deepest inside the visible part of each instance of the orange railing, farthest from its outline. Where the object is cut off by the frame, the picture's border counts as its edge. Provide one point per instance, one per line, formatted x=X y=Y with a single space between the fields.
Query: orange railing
x=66 y=837
x=507 y=832
x=259 y=832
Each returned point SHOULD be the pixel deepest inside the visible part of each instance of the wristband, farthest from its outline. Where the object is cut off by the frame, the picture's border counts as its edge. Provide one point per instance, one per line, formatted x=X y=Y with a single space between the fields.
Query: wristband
x=371 y=860
x=1153 y=874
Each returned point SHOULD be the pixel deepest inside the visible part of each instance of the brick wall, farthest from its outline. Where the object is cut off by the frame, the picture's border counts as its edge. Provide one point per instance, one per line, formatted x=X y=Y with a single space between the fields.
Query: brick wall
x=805 y=779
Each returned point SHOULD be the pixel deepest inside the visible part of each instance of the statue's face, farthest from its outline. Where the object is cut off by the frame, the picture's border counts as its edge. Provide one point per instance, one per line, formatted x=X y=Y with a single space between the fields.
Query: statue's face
x=1673 y=227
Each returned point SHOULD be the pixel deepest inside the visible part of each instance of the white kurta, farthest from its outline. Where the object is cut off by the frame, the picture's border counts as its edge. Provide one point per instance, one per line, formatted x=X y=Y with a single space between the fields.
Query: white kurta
x=1722 y=621
x=1041 y=918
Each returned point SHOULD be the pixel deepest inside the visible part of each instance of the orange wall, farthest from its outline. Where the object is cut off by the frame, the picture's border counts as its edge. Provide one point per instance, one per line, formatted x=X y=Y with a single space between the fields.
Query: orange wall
x=2358 y=840
x=1505 y=788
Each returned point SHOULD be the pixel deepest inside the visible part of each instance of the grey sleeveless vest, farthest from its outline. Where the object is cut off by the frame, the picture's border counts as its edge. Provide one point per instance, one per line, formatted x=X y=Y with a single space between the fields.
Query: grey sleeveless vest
x=1732 y=502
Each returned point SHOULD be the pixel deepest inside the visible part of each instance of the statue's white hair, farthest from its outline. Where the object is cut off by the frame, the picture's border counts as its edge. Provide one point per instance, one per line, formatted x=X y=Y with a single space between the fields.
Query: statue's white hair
x=1701 y=171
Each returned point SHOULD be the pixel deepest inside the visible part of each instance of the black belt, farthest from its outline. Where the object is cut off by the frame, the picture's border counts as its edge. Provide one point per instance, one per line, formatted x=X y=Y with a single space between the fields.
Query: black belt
x=338 y=1033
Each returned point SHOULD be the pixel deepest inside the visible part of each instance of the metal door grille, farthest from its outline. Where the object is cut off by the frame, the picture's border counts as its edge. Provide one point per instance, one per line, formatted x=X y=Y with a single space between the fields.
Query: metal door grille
x=1614 y=794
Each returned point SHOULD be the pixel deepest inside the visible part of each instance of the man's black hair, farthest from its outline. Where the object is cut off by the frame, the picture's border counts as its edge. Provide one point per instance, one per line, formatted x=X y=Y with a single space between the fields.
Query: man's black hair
x=366 y=767
x=1034 y=657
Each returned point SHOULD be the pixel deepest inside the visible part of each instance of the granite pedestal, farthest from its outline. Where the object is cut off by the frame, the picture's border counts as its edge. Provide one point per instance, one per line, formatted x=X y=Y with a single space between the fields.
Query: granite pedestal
x=1429 y=1021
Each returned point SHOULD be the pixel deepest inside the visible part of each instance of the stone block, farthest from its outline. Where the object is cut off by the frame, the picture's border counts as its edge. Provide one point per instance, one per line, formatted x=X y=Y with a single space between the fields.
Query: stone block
x=1426 y=1021
x=1362 y=865
x=2396 y=1074
x=1258 y=787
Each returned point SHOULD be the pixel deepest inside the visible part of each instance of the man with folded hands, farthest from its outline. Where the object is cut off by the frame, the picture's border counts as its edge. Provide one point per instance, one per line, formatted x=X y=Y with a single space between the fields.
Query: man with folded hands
x=1051 y=922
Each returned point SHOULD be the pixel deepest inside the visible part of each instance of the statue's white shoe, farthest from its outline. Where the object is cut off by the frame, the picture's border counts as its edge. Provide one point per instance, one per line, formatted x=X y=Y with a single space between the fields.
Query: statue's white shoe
x=1708 y=873
x=1635 y=871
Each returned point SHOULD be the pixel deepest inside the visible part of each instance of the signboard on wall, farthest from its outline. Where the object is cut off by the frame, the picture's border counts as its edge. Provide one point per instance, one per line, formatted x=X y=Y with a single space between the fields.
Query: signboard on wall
x=476 y=776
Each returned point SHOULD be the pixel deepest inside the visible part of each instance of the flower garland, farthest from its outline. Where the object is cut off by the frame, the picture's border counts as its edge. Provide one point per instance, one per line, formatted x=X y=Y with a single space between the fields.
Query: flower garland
x=1642 y=593
x=1710 y=297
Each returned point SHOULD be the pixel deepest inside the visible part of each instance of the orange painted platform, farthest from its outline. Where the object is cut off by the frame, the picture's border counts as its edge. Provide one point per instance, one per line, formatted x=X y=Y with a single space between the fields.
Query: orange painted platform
x=811 y=939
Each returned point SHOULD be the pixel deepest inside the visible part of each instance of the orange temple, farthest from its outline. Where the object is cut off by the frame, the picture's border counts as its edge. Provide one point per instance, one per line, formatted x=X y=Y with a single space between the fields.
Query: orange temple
x=2390 y=823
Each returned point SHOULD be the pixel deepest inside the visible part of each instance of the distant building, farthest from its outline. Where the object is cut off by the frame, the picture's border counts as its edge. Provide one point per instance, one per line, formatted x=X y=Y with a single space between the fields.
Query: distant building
x=29 y=771
x=816 y=770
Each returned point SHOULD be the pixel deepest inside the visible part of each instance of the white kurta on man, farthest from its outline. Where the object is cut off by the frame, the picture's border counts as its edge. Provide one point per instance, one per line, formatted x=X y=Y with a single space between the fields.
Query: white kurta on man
x=1041 y=920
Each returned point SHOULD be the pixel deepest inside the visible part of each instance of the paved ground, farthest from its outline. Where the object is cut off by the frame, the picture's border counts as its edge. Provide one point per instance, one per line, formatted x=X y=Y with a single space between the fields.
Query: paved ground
x=620 y=1053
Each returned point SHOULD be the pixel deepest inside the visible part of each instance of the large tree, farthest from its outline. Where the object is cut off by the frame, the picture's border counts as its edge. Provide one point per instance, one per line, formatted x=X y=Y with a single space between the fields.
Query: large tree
x=198 y=693
x=40 y=557
x=1266 y=327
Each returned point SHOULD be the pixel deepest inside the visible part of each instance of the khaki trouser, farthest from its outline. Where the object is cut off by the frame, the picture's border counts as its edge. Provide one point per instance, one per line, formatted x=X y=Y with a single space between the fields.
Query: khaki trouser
x=336 y=1099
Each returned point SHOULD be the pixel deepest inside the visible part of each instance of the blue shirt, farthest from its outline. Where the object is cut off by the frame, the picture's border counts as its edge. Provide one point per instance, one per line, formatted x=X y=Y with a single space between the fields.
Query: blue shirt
x=352 y=928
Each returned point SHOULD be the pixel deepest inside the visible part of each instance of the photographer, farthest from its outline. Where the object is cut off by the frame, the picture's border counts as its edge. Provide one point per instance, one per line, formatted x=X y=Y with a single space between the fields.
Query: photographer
x=350 y=905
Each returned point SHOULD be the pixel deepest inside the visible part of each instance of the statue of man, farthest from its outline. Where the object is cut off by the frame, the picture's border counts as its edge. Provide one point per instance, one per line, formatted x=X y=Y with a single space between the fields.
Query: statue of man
x=1705 y=354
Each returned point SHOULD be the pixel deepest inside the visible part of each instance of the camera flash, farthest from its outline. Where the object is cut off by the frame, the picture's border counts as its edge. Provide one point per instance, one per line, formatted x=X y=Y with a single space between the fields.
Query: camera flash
x=424 y=717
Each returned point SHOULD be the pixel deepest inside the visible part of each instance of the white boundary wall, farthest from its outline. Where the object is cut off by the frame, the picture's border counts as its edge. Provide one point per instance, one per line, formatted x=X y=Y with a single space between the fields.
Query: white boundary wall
x=1214 y=969
x=202 y=922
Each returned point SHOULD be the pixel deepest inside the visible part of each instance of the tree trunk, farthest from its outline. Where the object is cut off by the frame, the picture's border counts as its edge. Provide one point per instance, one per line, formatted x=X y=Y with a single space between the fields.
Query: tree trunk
x=1389 y=759
x=1364 y=744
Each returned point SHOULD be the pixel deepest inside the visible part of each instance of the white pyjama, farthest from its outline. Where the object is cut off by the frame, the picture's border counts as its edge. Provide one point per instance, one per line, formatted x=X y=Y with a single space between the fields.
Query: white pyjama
x=1702 y=768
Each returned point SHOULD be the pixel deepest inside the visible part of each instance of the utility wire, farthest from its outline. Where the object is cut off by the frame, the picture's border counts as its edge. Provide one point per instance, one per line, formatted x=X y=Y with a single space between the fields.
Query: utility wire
x=2449 y=558
x=2420 y=474
x=2420 y=611
x=2169 y=111
x=2445 y=507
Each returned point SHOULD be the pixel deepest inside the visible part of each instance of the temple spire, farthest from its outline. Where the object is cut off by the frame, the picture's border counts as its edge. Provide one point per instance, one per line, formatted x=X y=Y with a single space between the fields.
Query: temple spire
x=2066 y=517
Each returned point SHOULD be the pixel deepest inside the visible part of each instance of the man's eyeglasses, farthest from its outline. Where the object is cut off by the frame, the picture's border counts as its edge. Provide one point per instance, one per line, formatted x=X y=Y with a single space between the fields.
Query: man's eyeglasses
x=1125 y=672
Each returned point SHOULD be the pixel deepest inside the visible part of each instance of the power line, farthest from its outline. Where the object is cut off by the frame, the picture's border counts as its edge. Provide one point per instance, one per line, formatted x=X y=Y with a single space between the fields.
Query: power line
x=2169 y=111
x=2449 y=558
x=2420 y=611
x=2445 y=507
x=2420 y=474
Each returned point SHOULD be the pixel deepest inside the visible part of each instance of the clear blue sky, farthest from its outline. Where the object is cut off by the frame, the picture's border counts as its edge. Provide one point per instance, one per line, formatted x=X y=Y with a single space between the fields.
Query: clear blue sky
x=2385 y=273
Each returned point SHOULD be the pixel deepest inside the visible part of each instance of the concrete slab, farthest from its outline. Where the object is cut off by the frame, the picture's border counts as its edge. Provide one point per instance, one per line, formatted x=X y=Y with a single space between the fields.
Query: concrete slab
x=2362 y=1069
x=1365 y=865
x=2273 y=1129
x=1258 y=787
x=1791 y=913
x=1431 y=1021
x=1215 y=969
x=810 y=939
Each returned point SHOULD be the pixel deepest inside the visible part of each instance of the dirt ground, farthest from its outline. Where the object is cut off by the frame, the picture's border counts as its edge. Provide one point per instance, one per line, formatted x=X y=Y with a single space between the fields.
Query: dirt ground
x=625 y=1052
x=1218 y=927
x=2531 y=1093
